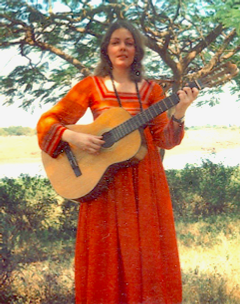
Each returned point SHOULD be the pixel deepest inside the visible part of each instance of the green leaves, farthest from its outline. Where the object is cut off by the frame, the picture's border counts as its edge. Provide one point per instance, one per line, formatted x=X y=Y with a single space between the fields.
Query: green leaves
x=208 y=190
x=184 y=37
x=228 y=13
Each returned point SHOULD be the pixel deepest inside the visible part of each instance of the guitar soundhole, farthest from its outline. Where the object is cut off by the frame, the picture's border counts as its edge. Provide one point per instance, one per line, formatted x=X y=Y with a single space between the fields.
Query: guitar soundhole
x=109 y=140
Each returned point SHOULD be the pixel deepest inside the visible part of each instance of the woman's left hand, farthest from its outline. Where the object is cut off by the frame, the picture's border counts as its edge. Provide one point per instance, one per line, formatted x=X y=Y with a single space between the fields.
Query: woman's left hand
x=187 y=95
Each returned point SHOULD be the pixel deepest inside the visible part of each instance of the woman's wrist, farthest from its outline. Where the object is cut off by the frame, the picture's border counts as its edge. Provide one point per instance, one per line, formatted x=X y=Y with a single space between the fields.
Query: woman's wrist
x=179 y=115
x=178 y=120
x=68 y=136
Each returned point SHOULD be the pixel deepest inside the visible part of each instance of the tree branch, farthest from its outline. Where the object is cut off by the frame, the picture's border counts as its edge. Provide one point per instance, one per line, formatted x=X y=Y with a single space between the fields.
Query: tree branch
x=47 y=47
x=201 y=45
x=29 y=39
x=217 y=58
x=166 y=57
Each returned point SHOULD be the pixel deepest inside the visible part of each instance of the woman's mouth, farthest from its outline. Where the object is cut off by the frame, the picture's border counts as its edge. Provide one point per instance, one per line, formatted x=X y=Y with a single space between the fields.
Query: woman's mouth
x=122 y=56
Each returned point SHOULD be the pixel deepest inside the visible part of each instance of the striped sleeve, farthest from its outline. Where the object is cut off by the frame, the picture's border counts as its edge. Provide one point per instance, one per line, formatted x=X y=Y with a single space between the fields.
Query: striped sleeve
x=67 y=111
x=52 y=143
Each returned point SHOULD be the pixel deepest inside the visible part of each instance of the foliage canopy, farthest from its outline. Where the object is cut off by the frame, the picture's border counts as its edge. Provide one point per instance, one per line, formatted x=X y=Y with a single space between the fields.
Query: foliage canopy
x=184 y=39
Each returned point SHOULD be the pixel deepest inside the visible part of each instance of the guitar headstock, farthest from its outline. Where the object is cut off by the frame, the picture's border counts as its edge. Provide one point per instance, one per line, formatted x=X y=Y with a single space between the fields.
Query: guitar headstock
x=220 y=75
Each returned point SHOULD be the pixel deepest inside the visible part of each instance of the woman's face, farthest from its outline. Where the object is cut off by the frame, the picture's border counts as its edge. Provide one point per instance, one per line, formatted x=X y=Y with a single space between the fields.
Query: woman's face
x=121 y=49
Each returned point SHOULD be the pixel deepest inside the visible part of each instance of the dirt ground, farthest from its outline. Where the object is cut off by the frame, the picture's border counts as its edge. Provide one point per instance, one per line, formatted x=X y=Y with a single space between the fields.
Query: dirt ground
x=22 y=149
x=209 y=140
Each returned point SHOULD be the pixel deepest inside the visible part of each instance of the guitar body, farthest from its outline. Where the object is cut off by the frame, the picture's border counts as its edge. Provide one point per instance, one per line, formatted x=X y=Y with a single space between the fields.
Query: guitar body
x=124 y=143
x=95 y=169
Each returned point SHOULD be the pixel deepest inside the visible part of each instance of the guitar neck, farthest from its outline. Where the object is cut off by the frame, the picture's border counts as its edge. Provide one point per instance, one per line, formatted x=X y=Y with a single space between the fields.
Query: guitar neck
x=148 y=115
x=142 y=118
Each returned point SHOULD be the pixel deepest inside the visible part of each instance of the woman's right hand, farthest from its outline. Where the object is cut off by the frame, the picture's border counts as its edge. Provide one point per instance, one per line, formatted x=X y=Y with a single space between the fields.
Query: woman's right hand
x=86 y=142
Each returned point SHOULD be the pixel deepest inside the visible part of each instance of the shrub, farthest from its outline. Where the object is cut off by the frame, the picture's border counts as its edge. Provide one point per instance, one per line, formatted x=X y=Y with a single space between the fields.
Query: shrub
x=16 y=130
x=204 y=191
x=28 y=207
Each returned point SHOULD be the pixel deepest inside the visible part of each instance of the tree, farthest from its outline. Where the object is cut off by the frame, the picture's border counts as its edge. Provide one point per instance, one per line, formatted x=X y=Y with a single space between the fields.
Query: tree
x=184 y=39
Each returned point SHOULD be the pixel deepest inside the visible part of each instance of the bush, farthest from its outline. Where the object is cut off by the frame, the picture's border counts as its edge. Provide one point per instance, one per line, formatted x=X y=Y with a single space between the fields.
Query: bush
x=3 y=132
x=16 y=130
x=33 y=218
x=204 y=191
x=28 y=207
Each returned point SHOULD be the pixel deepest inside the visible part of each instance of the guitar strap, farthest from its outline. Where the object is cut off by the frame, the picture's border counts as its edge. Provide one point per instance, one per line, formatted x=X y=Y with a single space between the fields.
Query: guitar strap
x=72 y=160
x=117 y=95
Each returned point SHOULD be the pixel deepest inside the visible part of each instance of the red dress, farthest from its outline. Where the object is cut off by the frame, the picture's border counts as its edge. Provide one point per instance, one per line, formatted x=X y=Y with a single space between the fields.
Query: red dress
x=126 y=248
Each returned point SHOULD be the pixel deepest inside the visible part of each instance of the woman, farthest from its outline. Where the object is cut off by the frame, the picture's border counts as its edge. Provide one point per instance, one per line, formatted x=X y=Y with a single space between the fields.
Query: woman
x=126 y=249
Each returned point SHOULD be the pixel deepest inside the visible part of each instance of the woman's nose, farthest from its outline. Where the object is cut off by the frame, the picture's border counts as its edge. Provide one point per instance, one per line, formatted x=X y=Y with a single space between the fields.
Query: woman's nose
x=122 y=45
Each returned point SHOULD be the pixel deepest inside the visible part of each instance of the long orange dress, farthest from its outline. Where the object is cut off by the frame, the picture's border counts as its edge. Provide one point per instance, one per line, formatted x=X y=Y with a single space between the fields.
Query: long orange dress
x=126 y=248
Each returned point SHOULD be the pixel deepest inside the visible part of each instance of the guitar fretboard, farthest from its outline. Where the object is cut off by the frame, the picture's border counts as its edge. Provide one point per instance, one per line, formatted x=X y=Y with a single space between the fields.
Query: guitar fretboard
x=139 y=120
x=143 y=118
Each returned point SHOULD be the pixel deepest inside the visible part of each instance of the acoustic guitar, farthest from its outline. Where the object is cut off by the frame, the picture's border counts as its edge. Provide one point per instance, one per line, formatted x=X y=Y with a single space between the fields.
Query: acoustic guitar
x=80 y=176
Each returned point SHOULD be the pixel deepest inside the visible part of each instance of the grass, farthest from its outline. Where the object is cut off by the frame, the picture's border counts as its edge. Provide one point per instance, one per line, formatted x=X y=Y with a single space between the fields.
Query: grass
x=210 y=261
x=42 y=282
x=43 y=276
x=209 y=252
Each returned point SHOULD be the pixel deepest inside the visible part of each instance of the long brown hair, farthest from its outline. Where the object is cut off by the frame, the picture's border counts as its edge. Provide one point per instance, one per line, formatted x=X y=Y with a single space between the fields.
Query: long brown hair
x=105 y=66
